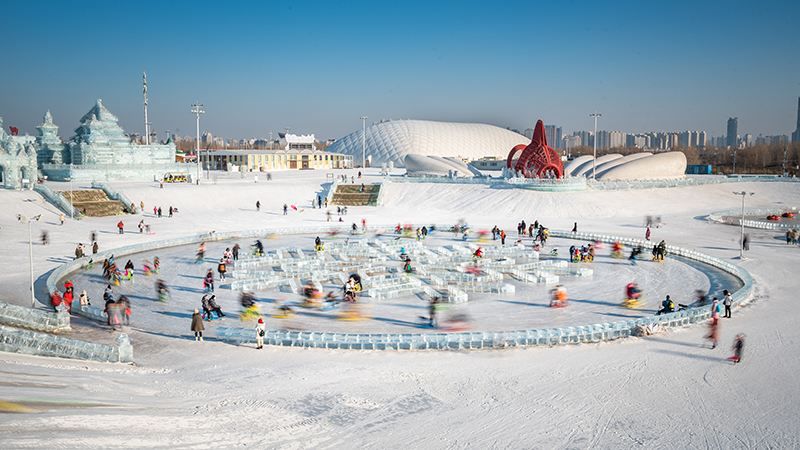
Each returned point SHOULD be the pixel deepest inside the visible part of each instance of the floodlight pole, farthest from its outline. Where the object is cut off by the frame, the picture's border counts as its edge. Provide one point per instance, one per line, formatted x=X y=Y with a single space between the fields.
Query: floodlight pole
x=71 y=189
x=594 y=161
x=30 y=221
x=146 y=122
x=197 y=109
x=363 y=142
x=741 y=222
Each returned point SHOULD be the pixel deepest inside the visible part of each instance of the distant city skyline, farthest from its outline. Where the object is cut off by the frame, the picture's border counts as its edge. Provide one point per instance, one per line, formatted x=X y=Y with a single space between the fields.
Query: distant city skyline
x=316 y=67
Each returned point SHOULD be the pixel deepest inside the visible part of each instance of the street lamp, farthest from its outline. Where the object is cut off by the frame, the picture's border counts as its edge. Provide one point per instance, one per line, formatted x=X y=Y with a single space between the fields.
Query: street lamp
x=197 y=109
x=30 y=221
x=741 y=237
x=363 y=142
x=594 y=161
x=71 y=189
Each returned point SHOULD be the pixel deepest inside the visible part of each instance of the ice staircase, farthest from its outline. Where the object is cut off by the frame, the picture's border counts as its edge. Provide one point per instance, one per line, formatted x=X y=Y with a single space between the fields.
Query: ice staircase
x=352 y=195
x=94 y=202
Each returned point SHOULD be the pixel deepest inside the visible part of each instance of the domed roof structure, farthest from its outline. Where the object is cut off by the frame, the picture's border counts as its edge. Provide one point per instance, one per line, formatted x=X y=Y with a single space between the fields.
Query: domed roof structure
x=636 y=166
x=391 y=141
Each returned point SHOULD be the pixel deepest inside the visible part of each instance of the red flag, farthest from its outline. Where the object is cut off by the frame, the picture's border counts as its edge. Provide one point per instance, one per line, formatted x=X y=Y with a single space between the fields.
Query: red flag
x=14 y=130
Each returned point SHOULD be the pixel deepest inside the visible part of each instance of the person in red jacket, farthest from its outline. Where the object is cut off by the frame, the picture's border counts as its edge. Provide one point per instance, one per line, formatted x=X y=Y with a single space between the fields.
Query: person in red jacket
x=68 y=297
x=121 y=227
x=55 y=299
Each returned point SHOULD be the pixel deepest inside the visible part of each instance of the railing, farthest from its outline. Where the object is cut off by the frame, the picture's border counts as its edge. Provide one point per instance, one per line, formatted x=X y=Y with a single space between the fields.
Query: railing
x=734 y=217
x=57 y=200
x=581 y=183
x=35 y=343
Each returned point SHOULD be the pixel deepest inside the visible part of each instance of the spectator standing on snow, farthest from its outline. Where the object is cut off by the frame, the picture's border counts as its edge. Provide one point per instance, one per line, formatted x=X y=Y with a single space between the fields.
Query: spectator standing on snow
x=236 y=248
x=208 y=281
x=222 y=268
x=260 y=332
x=197 y=325
x=647 y=233
x=121 y=227
x=727 y=301
x=258 y=205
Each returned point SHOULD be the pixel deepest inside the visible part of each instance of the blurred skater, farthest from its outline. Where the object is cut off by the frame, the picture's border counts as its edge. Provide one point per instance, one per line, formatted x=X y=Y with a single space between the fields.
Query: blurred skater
x=713 y=332
x=738 y=348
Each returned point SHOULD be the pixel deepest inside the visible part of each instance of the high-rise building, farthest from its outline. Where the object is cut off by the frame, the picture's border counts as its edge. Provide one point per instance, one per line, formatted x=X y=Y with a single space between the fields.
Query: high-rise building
x=702 y=139
x=585 y=136
x=733 y=132
x=553 y=134
x=602 y=140
x=684 y=139
x=616 y=139
x=796 y=134
x=207 y=139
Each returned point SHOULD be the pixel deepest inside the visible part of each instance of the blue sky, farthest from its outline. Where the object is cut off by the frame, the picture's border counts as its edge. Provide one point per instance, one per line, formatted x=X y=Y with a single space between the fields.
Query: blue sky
x=318 y=66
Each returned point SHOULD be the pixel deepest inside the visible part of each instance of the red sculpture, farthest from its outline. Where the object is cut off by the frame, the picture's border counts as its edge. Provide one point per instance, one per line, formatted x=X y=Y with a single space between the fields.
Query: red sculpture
x=537 y=160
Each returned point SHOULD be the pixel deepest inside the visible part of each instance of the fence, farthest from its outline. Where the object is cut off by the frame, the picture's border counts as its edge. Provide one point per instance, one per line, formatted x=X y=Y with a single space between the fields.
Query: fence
x=443 y=341
x=582 y=183
x=35 y=343
x=734 y=217
x=34 y=319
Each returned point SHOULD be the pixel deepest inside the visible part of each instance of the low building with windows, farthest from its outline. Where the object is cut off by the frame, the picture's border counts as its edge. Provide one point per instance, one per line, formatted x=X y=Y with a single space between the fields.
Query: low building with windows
x=268 y=160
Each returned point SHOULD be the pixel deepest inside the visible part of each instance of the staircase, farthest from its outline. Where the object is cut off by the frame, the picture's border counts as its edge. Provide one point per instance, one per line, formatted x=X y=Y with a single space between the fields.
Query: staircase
x=94 y=203
x=351 y=195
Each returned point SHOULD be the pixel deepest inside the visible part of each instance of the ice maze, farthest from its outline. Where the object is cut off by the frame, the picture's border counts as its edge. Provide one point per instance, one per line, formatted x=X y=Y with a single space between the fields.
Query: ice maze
x=449 y=272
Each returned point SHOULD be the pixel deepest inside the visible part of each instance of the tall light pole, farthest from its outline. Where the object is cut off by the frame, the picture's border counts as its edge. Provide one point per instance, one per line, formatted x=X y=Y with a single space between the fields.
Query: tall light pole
x=146 y=123
x=197 y=109
x=71 y=189
x=594 y=161
x=741 y=237
x=30 y=221
x=363 y=142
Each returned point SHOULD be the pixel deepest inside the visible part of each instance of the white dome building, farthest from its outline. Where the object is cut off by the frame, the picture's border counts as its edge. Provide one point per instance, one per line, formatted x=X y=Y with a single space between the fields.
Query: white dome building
x=636 y=166
x=391 y=141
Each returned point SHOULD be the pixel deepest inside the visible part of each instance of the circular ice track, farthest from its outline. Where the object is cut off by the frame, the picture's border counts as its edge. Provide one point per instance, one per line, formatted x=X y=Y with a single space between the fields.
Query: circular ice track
x=390 y=321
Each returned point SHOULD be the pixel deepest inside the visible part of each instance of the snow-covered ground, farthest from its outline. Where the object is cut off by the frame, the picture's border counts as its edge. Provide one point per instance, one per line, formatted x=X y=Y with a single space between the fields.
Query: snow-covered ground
x=663 y=391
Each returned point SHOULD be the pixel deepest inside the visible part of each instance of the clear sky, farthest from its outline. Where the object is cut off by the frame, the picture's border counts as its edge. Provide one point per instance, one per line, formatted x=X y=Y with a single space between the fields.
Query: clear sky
x=316 y=67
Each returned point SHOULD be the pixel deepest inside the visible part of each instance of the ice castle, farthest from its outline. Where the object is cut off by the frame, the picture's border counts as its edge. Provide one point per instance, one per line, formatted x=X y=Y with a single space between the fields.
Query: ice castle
x=101 y=151
x=17 y=160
